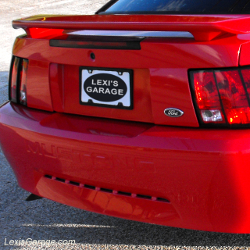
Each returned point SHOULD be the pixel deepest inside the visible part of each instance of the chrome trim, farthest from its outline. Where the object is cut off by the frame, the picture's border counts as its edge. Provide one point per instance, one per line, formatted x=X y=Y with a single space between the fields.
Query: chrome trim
x=175 y=112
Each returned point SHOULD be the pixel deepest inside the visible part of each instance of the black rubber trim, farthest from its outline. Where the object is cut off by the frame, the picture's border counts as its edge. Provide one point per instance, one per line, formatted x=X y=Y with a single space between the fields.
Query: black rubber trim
x=106 y=6
x=10 y=75
x=19 y=64
x=170 y=13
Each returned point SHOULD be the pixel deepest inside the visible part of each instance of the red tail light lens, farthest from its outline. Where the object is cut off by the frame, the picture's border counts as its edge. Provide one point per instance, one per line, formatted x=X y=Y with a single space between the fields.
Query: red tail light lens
x=222 y=96
x=207 y=97
x=246 y=77
x=233 y=96
x=14 y=80
x=23 y=81
x=18 y=81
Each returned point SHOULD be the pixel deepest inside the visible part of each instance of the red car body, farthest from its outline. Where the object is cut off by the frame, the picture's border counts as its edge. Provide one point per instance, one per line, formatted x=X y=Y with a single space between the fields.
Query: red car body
x=138 y=163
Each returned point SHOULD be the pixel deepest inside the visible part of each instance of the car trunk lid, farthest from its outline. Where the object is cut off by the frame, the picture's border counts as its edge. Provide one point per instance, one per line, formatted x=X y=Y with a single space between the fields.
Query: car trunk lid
x=158 y=64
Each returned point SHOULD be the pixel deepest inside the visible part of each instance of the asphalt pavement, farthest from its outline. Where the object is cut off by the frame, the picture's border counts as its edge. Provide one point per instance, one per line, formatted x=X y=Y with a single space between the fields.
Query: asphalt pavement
x=44 y=224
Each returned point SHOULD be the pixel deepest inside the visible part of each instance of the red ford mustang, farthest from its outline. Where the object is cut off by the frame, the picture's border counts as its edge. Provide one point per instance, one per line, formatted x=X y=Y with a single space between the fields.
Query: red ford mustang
x=141 y=111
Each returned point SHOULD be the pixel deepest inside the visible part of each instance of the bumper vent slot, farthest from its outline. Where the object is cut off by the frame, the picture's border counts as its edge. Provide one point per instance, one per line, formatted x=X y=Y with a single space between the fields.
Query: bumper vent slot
x=124 y=193
x=162 y=200
x=59 y=179
x=89 y=187
x=74 y=183
x=144 y=196
x=106 y=190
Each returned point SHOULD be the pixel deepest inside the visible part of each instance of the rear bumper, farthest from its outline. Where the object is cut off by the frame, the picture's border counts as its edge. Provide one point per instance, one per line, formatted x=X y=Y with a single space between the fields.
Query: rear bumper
x=180 y=177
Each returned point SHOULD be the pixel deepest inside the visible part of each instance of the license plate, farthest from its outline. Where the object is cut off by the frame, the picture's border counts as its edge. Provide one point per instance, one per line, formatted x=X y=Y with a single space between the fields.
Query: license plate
x=106 y=87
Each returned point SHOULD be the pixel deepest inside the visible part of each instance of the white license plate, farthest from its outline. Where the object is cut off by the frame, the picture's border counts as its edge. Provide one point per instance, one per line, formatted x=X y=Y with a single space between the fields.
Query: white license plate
x=104 y=87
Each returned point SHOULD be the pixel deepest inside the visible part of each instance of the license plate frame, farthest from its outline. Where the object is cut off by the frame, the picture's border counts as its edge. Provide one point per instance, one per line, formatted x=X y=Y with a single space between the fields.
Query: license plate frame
x=94 y=84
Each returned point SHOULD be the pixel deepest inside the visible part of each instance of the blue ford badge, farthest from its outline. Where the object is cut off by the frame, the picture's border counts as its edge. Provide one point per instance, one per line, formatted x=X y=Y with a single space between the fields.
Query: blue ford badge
x=173 y=112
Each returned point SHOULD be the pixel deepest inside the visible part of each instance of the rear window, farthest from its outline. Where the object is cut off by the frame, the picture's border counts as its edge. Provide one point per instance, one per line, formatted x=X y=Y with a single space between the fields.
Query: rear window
x=178 y=7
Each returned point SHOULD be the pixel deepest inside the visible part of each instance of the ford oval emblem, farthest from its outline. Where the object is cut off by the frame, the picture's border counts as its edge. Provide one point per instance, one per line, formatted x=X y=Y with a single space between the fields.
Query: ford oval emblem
x=173 y=112
x=105 y=87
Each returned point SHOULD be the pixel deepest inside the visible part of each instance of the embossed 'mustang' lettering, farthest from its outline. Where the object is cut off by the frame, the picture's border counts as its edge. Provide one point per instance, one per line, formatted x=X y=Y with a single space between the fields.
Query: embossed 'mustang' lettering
x=90 y=159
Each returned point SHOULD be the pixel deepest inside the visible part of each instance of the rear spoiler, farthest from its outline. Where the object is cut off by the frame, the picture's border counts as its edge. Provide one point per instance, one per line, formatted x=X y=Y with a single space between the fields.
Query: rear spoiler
x=202 y=27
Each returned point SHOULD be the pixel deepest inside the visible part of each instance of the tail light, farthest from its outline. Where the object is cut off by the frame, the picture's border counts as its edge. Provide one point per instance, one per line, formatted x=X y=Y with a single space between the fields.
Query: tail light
x=23 y=81
x=13 y=79
x=18 y=81
x=222 y=96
